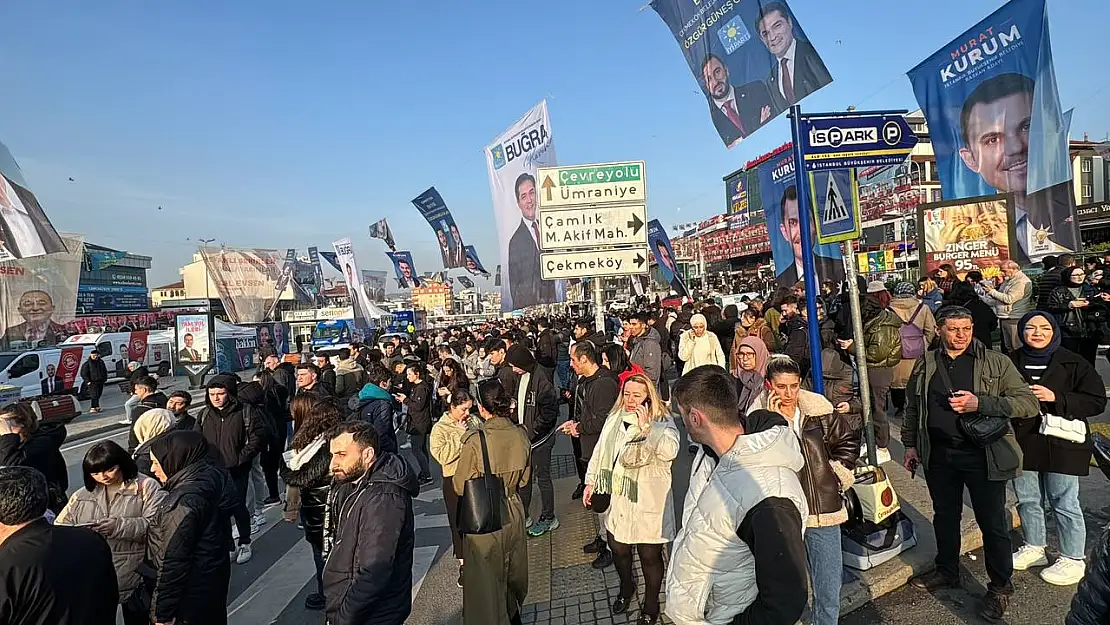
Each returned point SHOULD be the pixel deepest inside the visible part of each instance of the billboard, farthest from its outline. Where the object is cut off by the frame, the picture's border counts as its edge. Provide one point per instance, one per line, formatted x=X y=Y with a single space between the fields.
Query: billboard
x=435 y=212
x=996 y=124
x=194 y=343
x=473 y=263
x=345 y=256
x=512 y=160
x=374 y=282
x=974 y=234
x=751 y=59
x=659 y=245
x=25 y=230
x=39 y=295
x=405 y=269
x=273 y=335
x=246 y=280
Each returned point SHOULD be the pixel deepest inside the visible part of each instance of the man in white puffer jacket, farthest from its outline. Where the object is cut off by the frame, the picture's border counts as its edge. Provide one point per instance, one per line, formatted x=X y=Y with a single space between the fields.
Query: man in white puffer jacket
x=739 y=558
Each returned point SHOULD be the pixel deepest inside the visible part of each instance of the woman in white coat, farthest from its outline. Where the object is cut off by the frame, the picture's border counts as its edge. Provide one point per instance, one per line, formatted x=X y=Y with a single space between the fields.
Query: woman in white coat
x=631 y=468
x=697 y=346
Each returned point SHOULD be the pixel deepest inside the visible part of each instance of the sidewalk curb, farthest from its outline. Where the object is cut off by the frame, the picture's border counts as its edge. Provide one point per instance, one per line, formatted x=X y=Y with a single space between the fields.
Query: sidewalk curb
x=97 y=431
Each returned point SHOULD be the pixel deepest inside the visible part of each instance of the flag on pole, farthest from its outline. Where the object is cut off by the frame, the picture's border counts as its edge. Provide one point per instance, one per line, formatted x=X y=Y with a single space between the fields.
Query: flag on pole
x=380 y=230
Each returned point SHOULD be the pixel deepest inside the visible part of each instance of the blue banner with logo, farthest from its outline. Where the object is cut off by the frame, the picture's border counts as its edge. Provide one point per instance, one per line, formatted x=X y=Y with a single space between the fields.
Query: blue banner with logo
x=778 y=191
x=435 y=211
x=407 y=277
x=659 y=244
x=996 y=125
x=473 y=264
x=751 y=59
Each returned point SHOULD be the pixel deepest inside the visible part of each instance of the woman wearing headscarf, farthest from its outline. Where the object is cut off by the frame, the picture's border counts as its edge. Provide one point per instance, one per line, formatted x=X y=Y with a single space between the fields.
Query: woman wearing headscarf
x=697 y=346
x=150 y=425
x=190 y=545
x=121 y=505
x=748 y=367
x=1067 y=386
x=909 y=309
x=1079 y=308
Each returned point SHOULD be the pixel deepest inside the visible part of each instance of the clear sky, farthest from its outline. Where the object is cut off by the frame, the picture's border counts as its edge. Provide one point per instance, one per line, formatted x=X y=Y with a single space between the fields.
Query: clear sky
x=287 y=124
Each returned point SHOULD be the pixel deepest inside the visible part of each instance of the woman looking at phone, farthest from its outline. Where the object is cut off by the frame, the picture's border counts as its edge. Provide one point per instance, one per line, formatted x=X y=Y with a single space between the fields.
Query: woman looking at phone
x=830 y=447
x=1079 y=308
x=631 y=467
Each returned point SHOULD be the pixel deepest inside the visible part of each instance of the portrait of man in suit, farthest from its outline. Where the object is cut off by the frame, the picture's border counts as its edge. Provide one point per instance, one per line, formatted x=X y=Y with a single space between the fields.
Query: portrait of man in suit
x=408 y=279
x=38 y=326
x=188 y=353
x=663 y=257
x=525 y=286
x=52 y=383
x=737 y=111
x=458 y=250
x=790 y=229
x=798 y=70
x=24 y=229
x=444 y=246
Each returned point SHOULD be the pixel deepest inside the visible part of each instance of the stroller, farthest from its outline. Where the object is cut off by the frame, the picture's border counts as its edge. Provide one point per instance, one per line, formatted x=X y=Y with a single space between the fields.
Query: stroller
x=1091 y=604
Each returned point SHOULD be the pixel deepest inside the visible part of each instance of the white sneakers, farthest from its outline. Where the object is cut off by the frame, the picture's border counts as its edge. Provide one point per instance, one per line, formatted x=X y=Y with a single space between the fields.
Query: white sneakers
x=1064 y=572
x=243 y=554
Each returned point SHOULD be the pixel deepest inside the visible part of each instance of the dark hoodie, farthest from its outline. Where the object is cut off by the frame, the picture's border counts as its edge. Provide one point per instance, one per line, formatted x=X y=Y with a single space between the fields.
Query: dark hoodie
x=42 y=451
x=375 y=406
x=267 y=405
x=539 y=410
x=236 y=430
x=367 y=576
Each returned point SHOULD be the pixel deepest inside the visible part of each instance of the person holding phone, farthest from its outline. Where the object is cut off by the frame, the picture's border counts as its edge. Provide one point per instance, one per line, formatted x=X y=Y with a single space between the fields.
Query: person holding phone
x=1080 y=311
x=419 y=403
x=631 y=465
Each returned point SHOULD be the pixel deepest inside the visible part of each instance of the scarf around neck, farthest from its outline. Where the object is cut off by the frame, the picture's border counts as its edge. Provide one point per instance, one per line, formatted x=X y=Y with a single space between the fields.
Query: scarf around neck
x=614 y=478
x=301 y=457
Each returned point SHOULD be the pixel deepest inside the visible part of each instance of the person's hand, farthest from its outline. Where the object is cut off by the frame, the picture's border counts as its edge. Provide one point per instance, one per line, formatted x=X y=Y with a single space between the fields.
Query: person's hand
x=107 y=527
x=912 y=459
x=964 y=402
x=401 y=397
x=443 y=391
x=1078 y=303
x=955 y=220
x=1043 y=393
x=987 y=284
x=587 y=495
x=845 y=343
x=842 y=407
x=643 y=415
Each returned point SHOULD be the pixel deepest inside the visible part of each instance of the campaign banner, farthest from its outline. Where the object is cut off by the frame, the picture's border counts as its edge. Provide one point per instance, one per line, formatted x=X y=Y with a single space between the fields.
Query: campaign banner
x=345 y=256
x=246 y=280
x=659 y=245
x=25 y=230
x=407 y=278
x=136 y=347
x=473 y=263
x=332 y=259
x=974 y=234
x=39 y=295
x=380 y=230
x=751 y=59
x=512 y=160
x=194 y=343
x=374 y=281
x=434 y=210
x=318 y=282
x=996 y=125
x=497 y=277
x=779 y=195
x=273 y=337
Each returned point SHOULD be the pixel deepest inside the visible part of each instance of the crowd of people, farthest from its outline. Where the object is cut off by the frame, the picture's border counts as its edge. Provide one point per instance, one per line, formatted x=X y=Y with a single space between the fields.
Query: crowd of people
x=159 y=524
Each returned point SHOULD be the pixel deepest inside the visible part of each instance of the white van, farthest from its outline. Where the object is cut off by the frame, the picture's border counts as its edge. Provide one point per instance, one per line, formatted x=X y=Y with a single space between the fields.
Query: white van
x=148 y=347
x=44 y=371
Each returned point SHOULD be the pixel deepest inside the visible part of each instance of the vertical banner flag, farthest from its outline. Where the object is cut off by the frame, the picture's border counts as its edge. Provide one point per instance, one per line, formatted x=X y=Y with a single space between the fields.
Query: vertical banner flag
x=996 y=125
x=285 y=280
x=314 y=258
x=332 y=260
x=497 y=277
x=407 y=277
x=473 y=264
x=659 y=244
x=25 y=230
x=345 y=256
x=246 y=280
x=39 y=295
x=512 y=160
x=779 y=194
x=970 y=235
x=751 y=59
x=435 y=211
x=374 y=282
x=380 y=230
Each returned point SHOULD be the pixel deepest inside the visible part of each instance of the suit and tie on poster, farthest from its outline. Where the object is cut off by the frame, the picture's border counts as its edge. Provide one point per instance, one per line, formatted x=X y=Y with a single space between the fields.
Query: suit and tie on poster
x=345 y=256
x=407 y=278
x=431 y=205
x=25 y=230
x=751 y=58
x=39 y=295
x=996 y=125
x=778 y=191
x=273 y=338
x=473 y=263
x=380 y=230
x=374 y=283
x=512 y=160
x=659 y=245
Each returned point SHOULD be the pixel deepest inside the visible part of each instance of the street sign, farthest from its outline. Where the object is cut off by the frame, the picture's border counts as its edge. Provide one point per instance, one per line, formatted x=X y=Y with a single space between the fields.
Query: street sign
x=594 y=263
x=567 y=228
x=592 y=185
x=844 y=140
x=835 y=201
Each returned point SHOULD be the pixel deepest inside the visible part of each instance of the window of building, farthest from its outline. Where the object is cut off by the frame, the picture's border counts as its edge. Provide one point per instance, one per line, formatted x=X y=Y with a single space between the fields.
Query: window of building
x=1088 y=192
x=1085 y=164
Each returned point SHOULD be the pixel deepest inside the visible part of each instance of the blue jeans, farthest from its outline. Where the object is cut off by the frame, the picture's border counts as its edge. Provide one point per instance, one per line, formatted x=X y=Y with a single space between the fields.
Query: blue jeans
x=1061 y=492
x=826 y=572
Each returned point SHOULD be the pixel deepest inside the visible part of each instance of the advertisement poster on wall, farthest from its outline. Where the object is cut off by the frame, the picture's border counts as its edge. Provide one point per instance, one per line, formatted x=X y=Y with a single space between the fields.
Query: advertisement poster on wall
x=194 y=344
x=974 y=234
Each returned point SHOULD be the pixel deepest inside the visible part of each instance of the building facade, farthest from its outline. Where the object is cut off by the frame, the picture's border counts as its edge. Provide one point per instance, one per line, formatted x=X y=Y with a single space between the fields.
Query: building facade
x=433 y=298
x=112 y=281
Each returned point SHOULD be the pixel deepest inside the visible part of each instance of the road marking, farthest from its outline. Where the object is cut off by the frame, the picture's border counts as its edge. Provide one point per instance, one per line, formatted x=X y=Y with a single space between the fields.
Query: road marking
x=270 y=594
x=422 y=560
x=426 y=521
x=431 y=496
x=85 y=443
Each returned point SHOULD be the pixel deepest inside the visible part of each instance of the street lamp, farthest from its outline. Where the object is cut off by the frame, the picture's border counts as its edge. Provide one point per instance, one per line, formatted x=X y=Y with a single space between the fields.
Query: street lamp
x=207 y=295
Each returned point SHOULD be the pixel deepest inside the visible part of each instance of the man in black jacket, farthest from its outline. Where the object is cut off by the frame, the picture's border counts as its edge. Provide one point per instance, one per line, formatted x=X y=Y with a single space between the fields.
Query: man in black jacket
x=146 y=389
x=237 y=433
x=547 y=348
x=37 y=561
x=537 y=411
x=95 y=374
x=495 y=351
x=371 y=534
x=326 y=372
x=308 y=380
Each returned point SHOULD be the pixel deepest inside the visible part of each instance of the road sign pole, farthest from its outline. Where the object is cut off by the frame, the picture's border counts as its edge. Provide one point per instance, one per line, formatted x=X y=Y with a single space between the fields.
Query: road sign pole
x=599 y=312
x=860 y=349
x=805 y=222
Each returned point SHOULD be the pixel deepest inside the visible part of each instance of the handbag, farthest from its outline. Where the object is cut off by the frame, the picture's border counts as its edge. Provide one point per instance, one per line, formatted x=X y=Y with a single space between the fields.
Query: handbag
x=1074 y=430
x=873 y=498
x=977 y=428
x=483 y=497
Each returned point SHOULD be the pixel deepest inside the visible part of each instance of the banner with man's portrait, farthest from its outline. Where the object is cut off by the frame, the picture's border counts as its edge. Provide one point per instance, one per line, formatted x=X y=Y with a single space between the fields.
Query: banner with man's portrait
x=405 y=269
x=448 y=239
x=997 y=126
x=473 y=263
x=659 y=246
x=345 y=256
x=39 y=295
x=374 y=282
x=247 y=280
x=751 y=59
x=975 y=234
x=194 y=344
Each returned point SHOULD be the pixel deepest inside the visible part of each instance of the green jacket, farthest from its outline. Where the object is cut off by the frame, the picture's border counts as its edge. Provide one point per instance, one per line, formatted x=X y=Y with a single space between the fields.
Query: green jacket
x=1002 y=392
x=883 y=339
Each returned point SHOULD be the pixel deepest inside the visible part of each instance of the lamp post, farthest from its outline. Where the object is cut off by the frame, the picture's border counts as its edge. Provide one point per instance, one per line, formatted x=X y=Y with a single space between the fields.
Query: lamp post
x=207 y=296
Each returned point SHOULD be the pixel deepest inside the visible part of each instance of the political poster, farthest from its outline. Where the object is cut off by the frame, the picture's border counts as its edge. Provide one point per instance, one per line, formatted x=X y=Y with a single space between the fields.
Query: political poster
x=779 y=194
x=737 y=192
x=25 y=230
x=380 y=230
x=751 y=59
x=246 y=280
x=286 y=279
x=273 y=338
x=374 y=283
x=332 y=259
x=39 y=295
x=969 y=235
x=659 y=245
x=434 y=210
x=345 y=256
x=194 y=344
x=996 y=125
x=473 y=263
x=407 y=278
x=512 y=160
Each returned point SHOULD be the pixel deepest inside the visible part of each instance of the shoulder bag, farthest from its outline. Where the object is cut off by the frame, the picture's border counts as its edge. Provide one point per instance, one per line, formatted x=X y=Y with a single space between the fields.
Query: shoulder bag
x=977 y=428
x=482 y=499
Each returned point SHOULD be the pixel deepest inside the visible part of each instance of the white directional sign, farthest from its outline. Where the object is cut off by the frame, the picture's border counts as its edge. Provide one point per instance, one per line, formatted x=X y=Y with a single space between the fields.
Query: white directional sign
x=568 y=228
x=592 y=185
x=593 y=264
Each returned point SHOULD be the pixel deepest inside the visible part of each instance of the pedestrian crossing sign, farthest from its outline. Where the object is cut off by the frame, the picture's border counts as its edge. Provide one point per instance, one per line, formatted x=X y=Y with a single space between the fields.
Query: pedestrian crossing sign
x=834 y=197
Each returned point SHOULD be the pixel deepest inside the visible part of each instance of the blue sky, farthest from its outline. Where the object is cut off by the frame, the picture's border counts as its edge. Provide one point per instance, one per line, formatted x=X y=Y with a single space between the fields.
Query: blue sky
x=288 y=124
